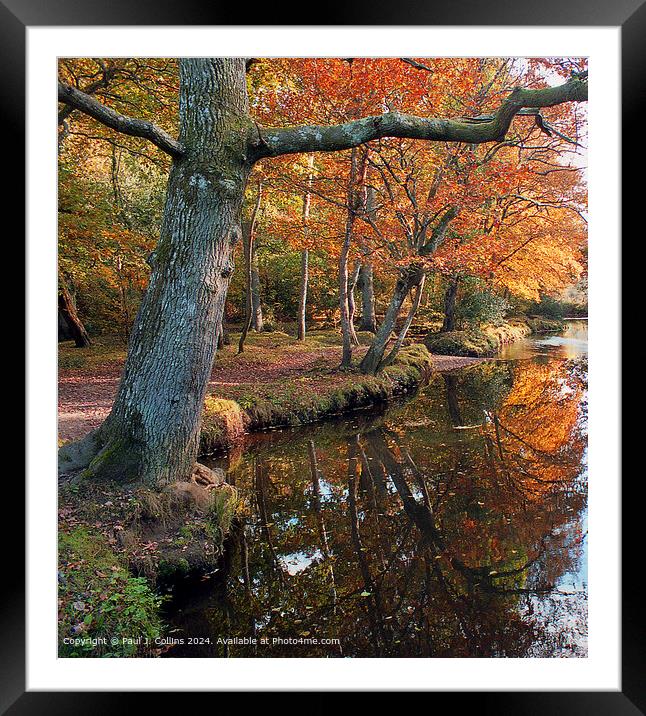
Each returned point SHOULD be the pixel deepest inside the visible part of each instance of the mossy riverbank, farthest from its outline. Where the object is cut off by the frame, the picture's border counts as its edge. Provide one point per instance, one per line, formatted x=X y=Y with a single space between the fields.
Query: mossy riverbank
x=486 y=341
x=305 y=399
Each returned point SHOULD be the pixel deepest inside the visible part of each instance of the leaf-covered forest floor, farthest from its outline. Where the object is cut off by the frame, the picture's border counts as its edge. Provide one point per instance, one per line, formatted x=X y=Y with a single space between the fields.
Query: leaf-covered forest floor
x=88 y=377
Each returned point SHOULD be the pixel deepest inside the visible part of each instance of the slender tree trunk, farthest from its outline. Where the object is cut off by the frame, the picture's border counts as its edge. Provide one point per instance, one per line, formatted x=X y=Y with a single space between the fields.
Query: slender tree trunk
x=152 y=432
x=407 y=323
x=74 y=323
x=372 y=360
x=346 y=358
x=249 y=242
x=452 y=399
x=450 y=301
x=354 y=202
x=302 y=295
x=368 y=318
x=366 y=284
x=316 y=491
x=352 y=282
x=256 y=303
x=224 y=339
x=305 y=254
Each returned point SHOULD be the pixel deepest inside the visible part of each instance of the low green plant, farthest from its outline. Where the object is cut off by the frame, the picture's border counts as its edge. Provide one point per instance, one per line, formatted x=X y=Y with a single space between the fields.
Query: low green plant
x=103 y=609
x=480 y=304
x=224 y=506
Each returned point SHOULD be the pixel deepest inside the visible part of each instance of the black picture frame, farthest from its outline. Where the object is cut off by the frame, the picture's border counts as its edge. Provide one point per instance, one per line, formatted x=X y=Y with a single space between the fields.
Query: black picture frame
x=17 y=15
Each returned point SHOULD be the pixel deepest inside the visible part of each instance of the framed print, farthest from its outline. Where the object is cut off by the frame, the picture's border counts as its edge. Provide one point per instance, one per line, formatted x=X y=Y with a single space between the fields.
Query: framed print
x=319 y=391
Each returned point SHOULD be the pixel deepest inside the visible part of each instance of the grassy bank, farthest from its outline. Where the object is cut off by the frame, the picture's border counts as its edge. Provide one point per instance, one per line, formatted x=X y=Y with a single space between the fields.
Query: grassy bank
x=308 y=397
x=486 y=341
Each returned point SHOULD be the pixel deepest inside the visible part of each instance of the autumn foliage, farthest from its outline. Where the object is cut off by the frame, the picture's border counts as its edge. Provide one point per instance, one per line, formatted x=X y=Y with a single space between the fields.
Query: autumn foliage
x=512 y=214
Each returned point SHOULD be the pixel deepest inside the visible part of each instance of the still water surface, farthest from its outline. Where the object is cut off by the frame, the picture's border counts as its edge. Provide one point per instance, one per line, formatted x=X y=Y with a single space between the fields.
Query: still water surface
x=453 y=525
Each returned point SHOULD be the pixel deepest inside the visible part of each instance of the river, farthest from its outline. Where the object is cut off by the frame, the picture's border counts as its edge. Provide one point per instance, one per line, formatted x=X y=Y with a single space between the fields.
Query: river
x=451 y=525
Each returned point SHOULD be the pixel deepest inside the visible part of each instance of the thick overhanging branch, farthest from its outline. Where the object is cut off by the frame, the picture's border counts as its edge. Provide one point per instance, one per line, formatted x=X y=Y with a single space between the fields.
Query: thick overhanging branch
x=330 y=138
x=108 y=72
x=120 y=122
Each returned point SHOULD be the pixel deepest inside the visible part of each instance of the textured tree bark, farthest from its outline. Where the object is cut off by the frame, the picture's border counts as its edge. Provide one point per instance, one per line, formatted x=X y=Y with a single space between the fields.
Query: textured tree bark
x=477 y=130
x=366 y=284
x=450 y=302
x=152 y=432
x=372 y=360
x=74 y=324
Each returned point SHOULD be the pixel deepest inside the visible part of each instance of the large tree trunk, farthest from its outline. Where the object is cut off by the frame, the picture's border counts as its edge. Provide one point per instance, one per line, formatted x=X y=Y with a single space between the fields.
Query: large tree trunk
x=373 y=359
x=74 y=324
x=152 y=433
x=366 y=284
x=450 y=301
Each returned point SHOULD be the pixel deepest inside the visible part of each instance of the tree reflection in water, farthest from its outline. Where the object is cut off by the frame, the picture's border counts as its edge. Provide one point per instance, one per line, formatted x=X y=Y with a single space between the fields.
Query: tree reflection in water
x=448 y=527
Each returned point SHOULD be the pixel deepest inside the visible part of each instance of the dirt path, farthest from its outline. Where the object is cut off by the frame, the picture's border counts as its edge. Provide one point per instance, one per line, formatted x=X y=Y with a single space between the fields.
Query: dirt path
x=85 y=395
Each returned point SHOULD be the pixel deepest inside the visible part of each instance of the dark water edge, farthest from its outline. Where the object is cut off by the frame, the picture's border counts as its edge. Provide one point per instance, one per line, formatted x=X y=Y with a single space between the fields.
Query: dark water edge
x=451 y=525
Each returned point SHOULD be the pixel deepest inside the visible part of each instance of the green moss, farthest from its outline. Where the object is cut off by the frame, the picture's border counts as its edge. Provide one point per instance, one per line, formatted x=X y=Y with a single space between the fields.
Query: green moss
x=507 y=332
x=222 y=424
x=295 y=404
x=222 y=511
x=486 y=340
x=472 y=343
x=100 y=601
x=173 y=568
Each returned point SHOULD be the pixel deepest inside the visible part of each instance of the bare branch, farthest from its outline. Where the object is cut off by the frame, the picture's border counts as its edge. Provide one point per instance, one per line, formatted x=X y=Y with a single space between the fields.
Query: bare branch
x=120 y=122
x=417 y=65
x=107 y=74
x=312 y=138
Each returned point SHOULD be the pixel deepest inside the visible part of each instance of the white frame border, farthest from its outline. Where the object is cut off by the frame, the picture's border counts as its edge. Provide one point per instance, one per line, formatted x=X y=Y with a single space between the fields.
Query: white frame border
x=601 y=670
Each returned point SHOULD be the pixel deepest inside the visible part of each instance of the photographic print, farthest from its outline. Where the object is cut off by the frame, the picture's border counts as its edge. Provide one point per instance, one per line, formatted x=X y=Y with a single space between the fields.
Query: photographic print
x=322 y=366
